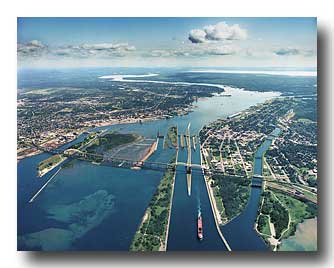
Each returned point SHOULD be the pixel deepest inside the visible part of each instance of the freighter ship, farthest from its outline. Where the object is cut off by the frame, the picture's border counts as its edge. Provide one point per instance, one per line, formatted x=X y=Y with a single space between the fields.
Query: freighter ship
x=199 y=226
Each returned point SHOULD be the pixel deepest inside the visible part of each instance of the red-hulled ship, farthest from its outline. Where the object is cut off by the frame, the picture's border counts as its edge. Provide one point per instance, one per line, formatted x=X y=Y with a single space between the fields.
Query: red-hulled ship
x=199 y=227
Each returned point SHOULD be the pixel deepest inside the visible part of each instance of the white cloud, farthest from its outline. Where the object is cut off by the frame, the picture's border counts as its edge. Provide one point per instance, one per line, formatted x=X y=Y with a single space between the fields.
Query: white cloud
x=36 y=49
x=200 y=50
x=159 y=53
x=218 y=32
x=221 y=50
x=107 y=47
x=197 y=36
x=33 y=48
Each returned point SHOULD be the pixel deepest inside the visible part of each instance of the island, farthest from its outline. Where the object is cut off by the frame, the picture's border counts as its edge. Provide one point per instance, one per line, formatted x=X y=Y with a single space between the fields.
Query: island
x=289 y=170
x=49 y=164
x=102 y=148
x=172 y=135
x=152 y=232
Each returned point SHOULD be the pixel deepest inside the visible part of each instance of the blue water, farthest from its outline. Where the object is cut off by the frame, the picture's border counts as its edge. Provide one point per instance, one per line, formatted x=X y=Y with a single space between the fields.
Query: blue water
x=133 y=190
x=183 y=225
x=240 y=232
x=88 y=78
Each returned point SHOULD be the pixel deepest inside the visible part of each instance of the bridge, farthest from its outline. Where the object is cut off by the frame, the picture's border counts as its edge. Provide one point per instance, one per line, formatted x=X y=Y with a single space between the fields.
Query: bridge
x=125 y=163
x=189 y=168
x=181 y=167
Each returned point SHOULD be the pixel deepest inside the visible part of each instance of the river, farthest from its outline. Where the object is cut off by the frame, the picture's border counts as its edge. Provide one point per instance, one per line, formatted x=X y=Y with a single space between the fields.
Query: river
x=240 y=231
x=90 y=207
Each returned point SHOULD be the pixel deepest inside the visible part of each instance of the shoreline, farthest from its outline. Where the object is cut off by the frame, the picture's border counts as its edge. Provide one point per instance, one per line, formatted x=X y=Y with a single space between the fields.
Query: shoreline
x=23 y=156
x=149 y=152
x=102 y=124
x=106 y=123
x=171 y=204
x=39 y=151
x=210 y=192
x=137 y=242
x=181 y=112
x=47 y=170
x=213 y=208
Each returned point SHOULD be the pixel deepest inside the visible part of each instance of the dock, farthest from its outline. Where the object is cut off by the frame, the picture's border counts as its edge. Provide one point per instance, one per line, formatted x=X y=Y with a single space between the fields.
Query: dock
x=164 y=143
x=156 y=144
x=194 y=142
x=182 y=140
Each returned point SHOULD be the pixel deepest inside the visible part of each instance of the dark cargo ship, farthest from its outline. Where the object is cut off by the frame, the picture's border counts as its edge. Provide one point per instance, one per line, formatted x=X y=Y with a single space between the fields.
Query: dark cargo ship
x=199 y=226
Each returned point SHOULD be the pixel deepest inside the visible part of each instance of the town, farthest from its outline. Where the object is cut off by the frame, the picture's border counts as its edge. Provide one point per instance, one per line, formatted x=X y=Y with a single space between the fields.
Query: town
x=289 y=165
x=52 y=117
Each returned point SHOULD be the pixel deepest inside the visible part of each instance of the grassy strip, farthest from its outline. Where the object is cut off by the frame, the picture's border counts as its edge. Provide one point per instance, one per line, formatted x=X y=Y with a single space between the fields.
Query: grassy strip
x=151 y=233
x=280 y=209
x=109 y=141
x=172 y=135
x=298 y=210
x=103 y=143
x=219 y=204
x=263 y=225
x=50 y=162
x=84 y=142
x=278 y=214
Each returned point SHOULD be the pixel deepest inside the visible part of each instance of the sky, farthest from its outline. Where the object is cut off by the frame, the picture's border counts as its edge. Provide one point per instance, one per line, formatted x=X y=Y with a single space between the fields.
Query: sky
x=167 y=42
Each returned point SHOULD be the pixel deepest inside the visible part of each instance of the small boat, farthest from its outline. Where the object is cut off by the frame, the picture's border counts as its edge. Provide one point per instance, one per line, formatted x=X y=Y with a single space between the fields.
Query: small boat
x=199 y=226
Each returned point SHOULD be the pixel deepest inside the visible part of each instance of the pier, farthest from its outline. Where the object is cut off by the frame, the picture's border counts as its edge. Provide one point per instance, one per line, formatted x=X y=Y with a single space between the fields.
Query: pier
x=164 y=143
x=194 y=142
x=182 y=140
x=43 y=187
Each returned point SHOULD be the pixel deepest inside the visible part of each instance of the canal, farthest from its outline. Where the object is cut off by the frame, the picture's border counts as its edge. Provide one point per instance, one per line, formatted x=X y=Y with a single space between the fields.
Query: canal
x=91 y=207
x=183 y=225
x=240 y=232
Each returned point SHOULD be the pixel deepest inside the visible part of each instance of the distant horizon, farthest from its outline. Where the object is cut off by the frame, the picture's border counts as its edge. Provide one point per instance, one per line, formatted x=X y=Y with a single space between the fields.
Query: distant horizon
x=167 y=42
x=246 y=68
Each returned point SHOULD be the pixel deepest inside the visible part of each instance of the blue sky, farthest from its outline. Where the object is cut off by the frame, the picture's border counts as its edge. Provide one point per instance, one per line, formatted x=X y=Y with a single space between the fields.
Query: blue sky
x=166 y=42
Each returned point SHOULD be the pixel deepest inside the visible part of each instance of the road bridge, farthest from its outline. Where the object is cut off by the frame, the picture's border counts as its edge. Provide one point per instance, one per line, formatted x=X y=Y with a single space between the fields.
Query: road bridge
x=160 y=166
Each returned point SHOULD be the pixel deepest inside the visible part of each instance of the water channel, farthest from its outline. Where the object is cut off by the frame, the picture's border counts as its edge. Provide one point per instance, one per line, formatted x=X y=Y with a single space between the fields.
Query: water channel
x=70 y=214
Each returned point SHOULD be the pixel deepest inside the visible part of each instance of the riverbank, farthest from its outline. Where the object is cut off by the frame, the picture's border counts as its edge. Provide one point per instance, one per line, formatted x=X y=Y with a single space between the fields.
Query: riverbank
x=124 y=183
x=49 y=164
x=282 y=228
x=170 y=208
x=51 y=144
x=207 y=180
x=215 y=211
x=27 y=153
x=152 y=233
x=150 y=151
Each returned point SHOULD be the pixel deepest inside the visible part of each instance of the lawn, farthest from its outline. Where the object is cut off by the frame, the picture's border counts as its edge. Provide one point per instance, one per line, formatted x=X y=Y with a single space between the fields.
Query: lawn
x=49 y=162
x=298 y=210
